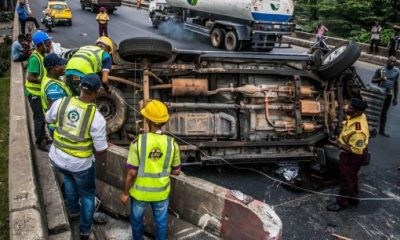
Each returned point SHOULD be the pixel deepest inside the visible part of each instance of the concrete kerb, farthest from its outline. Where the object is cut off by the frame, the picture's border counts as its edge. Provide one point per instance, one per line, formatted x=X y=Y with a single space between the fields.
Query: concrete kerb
x=24 y=206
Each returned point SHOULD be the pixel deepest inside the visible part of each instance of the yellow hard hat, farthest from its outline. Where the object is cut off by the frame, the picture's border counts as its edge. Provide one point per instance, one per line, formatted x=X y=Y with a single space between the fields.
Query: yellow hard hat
x=105 y=41
x=156 y=112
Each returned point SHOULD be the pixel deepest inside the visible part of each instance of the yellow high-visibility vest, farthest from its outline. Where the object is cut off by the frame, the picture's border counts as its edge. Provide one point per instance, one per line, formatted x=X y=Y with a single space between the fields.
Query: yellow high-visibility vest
x=87 y=59
x=155 y=159
x=74 y=119
x=34 y=88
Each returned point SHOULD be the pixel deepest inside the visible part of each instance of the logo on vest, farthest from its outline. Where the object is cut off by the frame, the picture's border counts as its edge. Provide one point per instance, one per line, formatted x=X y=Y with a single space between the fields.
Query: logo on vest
x=155 y=154
x=73 y=117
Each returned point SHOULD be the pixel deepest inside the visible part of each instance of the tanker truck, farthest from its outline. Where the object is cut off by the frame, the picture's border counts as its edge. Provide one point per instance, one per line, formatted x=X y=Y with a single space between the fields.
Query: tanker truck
x=231 y=24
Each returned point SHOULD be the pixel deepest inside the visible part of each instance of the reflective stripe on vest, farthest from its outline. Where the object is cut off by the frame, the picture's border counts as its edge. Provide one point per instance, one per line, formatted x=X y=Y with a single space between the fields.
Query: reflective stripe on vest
x=87 y=59
x=46 y=82
x=34 y=88
x=153 y=186
x=74 y=139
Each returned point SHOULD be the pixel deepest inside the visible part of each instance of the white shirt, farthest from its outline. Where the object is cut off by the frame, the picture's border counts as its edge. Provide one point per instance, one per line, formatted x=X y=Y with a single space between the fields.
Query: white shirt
x=375 y=32
x=97 y=132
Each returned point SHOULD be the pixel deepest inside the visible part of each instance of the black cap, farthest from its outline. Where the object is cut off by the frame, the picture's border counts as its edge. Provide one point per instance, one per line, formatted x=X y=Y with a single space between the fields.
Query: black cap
x=52 y=60
x=358 y=104
x=90 y=82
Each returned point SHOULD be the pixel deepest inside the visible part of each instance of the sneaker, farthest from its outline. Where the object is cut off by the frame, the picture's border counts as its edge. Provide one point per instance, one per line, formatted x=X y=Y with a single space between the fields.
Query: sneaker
x=384 y=134
x=335 y=207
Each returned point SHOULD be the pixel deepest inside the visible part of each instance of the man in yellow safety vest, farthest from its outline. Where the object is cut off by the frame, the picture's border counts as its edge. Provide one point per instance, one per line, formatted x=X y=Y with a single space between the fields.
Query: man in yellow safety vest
x=151 y=160
x=79 y=130
x=90 y=59
x=35 y=73
x=52 y=87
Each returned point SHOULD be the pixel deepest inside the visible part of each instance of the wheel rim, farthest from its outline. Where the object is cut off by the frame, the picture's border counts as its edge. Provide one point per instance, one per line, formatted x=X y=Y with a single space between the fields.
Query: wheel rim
x=230 y=42
x=334 y=54
x=216 y=39
x=106 y=107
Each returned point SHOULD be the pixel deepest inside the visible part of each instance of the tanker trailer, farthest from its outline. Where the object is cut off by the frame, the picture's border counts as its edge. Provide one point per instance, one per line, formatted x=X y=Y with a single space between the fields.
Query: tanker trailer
x=230 y=24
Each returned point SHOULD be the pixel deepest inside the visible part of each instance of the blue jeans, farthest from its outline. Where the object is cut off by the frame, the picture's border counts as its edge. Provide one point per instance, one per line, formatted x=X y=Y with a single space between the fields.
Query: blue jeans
x=160 y=213
x=80 y=185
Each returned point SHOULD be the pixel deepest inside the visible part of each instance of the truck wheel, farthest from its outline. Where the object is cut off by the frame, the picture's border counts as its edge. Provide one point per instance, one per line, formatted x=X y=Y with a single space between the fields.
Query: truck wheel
x=231 y=41
x=110 y=11
x=153 y=50
x=83 y=5
x=70 y=22
x=93 y=8
x=113 y=108
x=217 y=37
x=339 y=59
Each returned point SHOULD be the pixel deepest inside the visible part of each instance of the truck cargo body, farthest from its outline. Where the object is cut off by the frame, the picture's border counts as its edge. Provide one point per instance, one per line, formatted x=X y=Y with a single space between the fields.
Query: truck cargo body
x=94 y=5
x=233 y=25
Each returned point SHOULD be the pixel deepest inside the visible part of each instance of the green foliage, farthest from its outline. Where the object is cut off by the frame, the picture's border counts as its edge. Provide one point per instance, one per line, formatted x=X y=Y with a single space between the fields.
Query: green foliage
x=351 y=19
x=4 y=108
x=5 y=58
x=6 y=16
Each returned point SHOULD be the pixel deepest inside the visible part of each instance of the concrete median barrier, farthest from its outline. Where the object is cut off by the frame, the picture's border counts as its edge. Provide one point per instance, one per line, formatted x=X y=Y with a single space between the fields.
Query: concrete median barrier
x=24 y=206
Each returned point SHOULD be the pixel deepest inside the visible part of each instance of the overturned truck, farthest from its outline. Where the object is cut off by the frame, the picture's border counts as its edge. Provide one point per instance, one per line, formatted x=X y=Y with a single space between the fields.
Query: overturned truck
x=236 y=107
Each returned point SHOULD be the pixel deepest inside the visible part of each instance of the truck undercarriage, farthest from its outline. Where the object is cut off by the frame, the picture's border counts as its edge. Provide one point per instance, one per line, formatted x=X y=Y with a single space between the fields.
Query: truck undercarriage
x=236 y=107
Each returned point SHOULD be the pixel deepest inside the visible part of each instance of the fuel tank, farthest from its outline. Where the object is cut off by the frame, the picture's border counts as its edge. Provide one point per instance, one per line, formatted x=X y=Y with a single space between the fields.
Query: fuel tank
x=251 y=10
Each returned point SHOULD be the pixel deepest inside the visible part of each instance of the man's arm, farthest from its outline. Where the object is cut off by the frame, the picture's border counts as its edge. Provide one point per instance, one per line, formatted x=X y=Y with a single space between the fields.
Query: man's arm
x=51 y=114
x=377 y=78
x=176 y=161
x=129 y=181
x=33 y=70
x=396 y=90
x=132 y=165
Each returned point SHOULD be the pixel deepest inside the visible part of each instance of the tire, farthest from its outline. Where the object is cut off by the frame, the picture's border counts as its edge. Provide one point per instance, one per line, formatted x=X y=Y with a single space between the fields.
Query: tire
x=83 y=6
x=113 y=108
x=339 y=59
x=145 y=48
x=93 y=8
x=231 y=41
x=70 y=22
x=110 y=11
x=217 y=37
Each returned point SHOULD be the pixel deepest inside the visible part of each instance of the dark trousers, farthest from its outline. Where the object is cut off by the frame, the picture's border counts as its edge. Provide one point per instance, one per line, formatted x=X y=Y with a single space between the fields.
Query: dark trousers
x=385 y=109
x=349 y=165
x=374 y=45
x=22 y=58
x=103 y=30
x=38 y=118
x=28 y=19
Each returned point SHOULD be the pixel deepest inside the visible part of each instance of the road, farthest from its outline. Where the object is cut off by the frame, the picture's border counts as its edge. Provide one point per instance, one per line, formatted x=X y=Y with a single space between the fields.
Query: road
x=303 y=214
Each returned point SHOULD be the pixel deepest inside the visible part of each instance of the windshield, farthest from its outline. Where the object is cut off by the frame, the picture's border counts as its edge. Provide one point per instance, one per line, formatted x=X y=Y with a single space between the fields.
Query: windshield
x=58 y=7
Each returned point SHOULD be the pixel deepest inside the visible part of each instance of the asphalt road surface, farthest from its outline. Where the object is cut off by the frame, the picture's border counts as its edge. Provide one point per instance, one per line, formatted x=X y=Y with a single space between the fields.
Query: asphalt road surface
x=303 y=214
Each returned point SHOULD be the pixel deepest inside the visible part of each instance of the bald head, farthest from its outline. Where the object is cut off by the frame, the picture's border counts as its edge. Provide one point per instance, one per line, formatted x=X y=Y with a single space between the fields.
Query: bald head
x=391 y=61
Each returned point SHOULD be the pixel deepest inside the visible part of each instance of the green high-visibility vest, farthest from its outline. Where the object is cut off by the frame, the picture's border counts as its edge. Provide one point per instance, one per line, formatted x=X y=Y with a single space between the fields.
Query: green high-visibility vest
x=34 y=88
x=155 y=159
x=87 y=59
x=74 y=119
